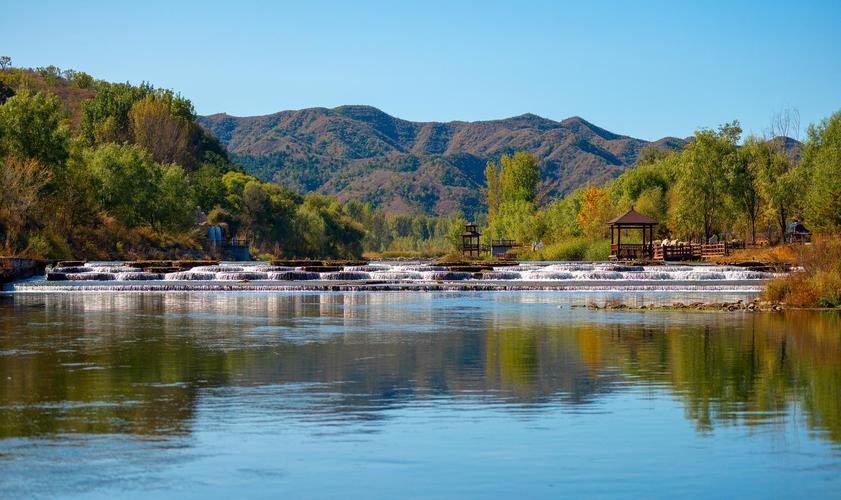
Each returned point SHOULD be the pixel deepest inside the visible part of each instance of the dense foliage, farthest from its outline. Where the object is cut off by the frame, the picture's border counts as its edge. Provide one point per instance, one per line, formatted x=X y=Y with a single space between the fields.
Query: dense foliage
x=714 y=186
x=92 y=169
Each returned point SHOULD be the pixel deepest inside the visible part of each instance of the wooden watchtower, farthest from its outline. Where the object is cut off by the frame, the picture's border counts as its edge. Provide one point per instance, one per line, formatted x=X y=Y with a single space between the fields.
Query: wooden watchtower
x=470 y=246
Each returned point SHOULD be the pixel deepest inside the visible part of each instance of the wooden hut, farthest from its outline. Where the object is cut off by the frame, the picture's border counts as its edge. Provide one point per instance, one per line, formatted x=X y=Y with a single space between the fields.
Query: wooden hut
x=632 y=220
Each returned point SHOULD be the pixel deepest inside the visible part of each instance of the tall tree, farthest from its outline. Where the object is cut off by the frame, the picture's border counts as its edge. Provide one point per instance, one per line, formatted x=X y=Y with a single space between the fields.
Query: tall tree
x=493 y=188
x=519 y=176
x=701 y=198
x=822 y=161
x=162 y=133
x=596 y=210
x=128 y=182
x=780 y=184
x=742 y=177
x=21 y=182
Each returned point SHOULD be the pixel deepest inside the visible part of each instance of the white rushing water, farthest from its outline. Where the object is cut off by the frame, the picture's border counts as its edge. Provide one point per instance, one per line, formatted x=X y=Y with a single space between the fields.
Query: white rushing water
x=420 y=272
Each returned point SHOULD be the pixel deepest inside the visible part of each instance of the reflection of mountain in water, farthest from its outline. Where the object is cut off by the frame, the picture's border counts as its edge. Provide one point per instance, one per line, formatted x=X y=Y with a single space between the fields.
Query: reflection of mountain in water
x=143 y=364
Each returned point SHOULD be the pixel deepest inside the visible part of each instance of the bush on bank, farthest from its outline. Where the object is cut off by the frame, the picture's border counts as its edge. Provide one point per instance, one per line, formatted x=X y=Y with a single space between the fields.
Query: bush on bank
x=817 y=283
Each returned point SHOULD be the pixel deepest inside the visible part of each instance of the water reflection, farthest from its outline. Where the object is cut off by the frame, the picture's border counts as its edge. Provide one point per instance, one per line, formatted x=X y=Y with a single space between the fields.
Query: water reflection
x=141 y=364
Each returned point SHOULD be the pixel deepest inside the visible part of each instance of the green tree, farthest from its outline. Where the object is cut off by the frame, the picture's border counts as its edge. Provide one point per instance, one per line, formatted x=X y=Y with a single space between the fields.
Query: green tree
x=742 y=177
x=561 y=217
x=105 y=116
x=128 y=182
x=31 y=127
x=780 y=185
x=822 y=161
x=493 y=188
x=701 y=203
x=175 y=207
x=519 y=175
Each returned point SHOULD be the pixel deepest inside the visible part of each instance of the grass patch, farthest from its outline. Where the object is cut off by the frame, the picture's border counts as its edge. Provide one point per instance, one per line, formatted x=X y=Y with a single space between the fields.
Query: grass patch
x=782 y=254
x=572 y=249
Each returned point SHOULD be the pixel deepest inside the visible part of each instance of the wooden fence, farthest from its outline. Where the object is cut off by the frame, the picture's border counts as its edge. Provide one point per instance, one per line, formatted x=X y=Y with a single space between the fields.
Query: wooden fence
x=690 y=251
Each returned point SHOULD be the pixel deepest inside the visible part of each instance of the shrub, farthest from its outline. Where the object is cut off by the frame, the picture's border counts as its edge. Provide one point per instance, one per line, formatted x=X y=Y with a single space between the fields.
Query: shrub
x=573 y=249
x=817 y=284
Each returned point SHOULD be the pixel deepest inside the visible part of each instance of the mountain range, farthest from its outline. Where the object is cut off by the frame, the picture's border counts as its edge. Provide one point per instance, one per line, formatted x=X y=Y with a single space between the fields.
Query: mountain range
x=360 y=152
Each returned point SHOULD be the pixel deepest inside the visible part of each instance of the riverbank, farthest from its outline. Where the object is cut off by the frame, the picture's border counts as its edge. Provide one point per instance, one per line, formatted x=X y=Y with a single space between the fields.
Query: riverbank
x=18 y=268
x=816 y=282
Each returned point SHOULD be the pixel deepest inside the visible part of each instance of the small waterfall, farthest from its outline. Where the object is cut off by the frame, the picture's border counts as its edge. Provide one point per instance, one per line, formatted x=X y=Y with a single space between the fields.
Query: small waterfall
x=115 y=269
x=397 y=275
x=699 y=275
x=547 y=276
x=624 y=269
x=71 y=269
x=367 y=269
x=241 y=275
x=217 y=269
x=90 y=276
x=501 y=275
x=446 y=275
x=345 y=276
x=648 y=276
x=293 y=276
x=138 y=276
x=190 y=276
x=420 y=268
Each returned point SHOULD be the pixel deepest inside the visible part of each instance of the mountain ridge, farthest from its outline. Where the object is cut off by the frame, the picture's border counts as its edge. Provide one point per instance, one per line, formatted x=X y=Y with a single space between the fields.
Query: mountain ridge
x=361 y=152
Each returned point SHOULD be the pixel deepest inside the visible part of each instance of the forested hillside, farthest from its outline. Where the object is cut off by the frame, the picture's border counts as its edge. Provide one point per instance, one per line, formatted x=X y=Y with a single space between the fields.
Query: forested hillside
x=92 y=169
x=362 y=153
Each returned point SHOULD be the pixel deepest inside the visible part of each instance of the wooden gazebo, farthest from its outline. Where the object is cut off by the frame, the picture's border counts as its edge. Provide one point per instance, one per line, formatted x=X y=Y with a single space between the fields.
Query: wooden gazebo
x=632 y=220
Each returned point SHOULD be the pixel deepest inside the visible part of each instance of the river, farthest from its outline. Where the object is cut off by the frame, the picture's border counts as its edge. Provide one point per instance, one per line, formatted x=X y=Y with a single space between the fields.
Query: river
x=414 y=394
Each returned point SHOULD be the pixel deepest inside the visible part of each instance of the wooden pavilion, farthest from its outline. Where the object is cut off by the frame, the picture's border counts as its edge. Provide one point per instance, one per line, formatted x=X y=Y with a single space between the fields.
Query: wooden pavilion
x=632 y=251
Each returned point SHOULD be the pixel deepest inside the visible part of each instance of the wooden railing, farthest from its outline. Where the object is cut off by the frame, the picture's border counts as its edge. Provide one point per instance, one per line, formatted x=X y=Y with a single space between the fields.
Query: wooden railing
x=713 y=250
x=690 y=251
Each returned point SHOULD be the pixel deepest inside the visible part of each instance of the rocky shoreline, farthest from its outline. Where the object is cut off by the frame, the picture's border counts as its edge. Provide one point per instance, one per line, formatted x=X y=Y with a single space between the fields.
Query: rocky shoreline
x=755 y=305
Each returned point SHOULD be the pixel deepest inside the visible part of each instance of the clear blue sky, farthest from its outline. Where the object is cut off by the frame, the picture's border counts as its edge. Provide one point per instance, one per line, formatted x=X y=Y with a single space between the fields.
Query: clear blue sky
x=646 y=69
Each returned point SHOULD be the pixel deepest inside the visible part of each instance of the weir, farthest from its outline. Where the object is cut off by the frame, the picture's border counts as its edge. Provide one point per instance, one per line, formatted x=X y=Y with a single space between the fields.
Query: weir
x=129 y=276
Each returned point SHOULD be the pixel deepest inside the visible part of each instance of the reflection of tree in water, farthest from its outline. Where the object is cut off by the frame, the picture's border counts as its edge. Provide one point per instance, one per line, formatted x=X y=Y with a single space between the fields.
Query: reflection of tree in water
x=733 y=369
x=141 y=364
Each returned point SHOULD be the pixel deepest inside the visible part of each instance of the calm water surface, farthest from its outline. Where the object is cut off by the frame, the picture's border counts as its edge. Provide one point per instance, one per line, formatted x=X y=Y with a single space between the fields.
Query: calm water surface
x=432 y=395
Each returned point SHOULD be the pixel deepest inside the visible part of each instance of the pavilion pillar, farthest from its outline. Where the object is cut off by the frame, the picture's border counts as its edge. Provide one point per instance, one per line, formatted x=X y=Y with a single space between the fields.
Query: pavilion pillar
x=619 y=243
x=643 y=252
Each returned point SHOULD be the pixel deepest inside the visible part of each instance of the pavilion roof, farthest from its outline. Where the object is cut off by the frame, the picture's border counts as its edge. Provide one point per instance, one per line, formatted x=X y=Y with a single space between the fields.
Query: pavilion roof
x=631 y=218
